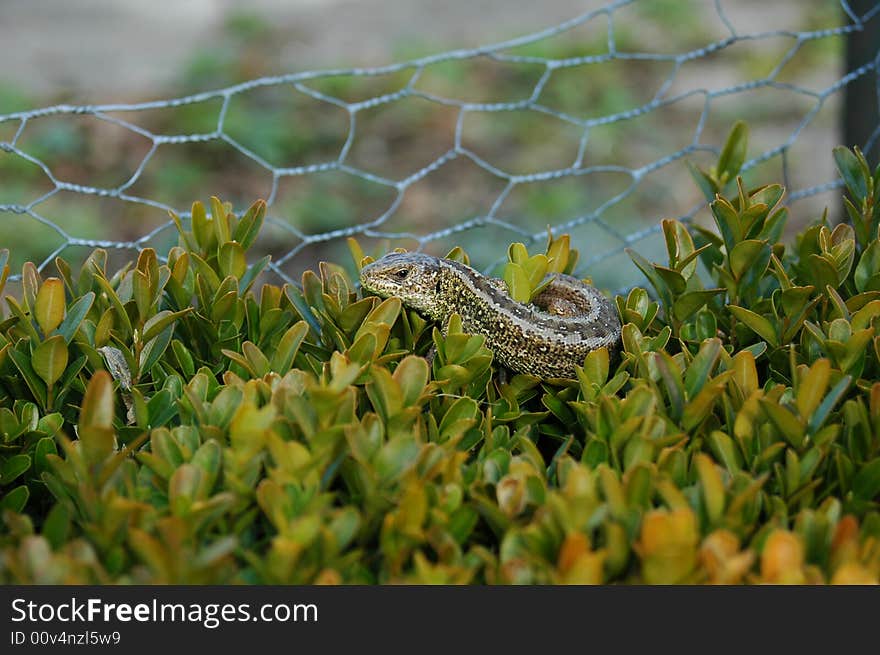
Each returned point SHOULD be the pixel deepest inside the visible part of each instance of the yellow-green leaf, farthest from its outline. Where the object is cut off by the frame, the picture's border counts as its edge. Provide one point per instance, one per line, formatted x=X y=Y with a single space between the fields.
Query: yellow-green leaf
x=518 y=283
x=558 y=252
x=733 y=155
x=285 y=352
x=712 y=486
x=517 y=253
x=4 y=268
x=536 y=269
x=50 y=359
x=745 y=374
x=231 y=259
x=812 y=387
x=183 y=488
x=97 y=404
x=140 y=285
x=49 y=305
x=258 y=361
x=679 y=246
x=412 y=376
x=221 y=224
x=95 y=428
x=30 y=284
x=596 y=366
x=793 y=428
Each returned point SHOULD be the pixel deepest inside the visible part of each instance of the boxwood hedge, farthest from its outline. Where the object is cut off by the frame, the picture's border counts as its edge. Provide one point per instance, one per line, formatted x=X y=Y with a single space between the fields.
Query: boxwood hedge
x=171 y=423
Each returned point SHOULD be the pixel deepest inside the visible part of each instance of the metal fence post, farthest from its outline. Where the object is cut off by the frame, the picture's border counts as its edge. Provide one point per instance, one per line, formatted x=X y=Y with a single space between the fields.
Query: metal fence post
x=860 y=114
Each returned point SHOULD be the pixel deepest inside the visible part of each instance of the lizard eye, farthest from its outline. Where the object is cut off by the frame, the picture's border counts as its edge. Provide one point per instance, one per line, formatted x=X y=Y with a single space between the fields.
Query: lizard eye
x=401 y=273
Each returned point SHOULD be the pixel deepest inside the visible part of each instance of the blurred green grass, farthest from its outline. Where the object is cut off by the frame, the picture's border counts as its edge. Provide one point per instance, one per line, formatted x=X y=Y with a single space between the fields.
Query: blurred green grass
x=287 y=128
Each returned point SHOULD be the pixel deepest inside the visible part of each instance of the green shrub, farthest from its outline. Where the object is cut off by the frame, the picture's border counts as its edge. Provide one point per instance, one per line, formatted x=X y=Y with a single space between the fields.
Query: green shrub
x=168 y=424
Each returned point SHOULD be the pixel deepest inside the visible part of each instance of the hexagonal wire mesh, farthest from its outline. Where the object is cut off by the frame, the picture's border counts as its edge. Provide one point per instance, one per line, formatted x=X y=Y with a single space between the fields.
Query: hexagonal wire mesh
x=580 y=128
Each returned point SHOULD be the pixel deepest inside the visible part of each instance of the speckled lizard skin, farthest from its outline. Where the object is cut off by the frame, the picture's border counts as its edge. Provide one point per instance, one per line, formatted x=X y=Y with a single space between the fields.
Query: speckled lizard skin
x=546 y=338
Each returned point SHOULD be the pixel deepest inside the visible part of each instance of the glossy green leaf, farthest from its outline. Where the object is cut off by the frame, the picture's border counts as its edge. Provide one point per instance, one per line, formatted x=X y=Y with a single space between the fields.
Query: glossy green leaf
x=34 y=382
x=24 y=322
x=733 y=155
x=56 y=527
x=823 y=271
x=250 y=276
x=208 y=459
x=758 y=324
x=75 y=316
x=834 y=396
x=774 y=226
x=122 y=318
x=706 y=184
x=656 y=281
x=142 y=293
x=161 y=321
x=161 y=408
x=701 y=367
x=154 y=349
x=688 y=303
x=14 y=467
x=536 y=269
x=670 y=374
x=727 y=221
x=674 y=280
x=867 y=274
x=45 y=446
x=792 y=428
x=852 y=171
x=50 y=359
x=725 y=451
x=596 y=366
x=747 y=256
x=866 y=484
x=239 y=359
x=769 y=195
x=15 y=500
x=250 y=224
x=460 y=416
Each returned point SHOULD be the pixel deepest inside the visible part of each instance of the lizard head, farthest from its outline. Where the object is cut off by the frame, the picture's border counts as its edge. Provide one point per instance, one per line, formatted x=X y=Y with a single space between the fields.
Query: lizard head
x=411 y=276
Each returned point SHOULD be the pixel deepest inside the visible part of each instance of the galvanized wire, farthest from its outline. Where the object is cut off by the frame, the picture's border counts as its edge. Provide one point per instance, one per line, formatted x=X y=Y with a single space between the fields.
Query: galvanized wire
x=667 y=95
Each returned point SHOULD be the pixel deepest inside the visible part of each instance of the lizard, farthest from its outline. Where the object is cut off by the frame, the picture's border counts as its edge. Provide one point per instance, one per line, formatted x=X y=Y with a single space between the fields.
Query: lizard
x=546 y=338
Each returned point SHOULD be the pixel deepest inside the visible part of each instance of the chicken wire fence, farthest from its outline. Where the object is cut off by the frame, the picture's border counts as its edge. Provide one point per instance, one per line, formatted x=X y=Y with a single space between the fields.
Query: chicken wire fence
x=584 y=128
